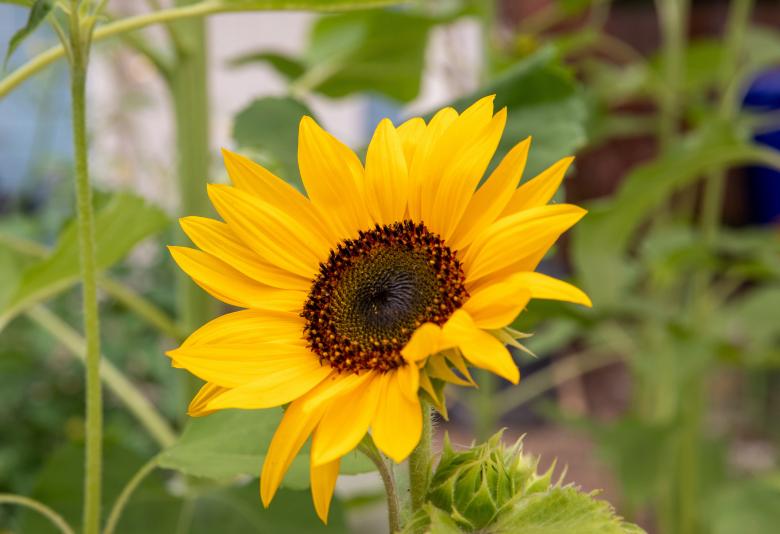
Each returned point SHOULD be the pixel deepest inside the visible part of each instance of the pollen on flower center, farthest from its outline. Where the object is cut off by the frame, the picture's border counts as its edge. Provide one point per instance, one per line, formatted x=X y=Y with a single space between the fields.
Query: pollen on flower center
x=374 y=291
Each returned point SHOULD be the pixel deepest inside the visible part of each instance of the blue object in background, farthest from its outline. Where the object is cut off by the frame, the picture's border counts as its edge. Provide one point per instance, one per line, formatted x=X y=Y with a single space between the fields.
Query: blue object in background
x=35 y=117
x=764 y=183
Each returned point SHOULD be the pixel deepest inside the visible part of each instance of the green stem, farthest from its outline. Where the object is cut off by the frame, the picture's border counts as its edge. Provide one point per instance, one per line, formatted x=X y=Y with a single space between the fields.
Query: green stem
x=368 y=448
x=198 y=10
x=55 y=518
x=189 y=92
x=673 y=19
x=119 y=385
x=485 y=405
x=420 y=461
x=127 y=492
x=79 y=40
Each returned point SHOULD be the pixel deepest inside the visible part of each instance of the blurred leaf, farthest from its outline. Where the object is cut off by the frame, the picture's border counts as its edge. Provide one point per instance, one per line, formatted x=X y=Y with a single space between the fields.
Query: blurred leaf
x=750 y=506
x=749 y=323
x=268 y=128
x=542 y=100
x=153 y=508
x=119 y=226
x=601 y=239
x=38 y=13
x=287 y=66
x=379 y=51
x=233 y=442
x=312 y=5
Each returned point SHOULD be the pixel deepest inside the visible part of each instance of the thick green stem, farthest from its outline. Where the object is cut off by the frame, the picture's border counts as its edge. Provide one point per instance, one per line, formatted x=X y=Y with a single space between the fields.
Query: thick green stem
x=127 y=492
x=79 y=40
x=55 y=518
x=388 y=480
x=420 y=462
x=119 y=385
x=189 y=92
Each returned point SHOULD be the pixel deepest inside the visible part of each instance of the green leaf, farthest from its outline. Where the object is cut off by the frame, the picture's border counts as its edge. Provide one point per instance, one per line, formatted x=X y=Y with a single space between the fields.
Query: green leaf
x=287 y=66
x=156 y=507
x=749 y=323
x=563 y=509
x=38 y=13
x=267 y=130
x=601 y=239
x=380 y=51
x=543 y=101
x=234 y=442
x=119 y=226
x=749 y=506
x=313 y=5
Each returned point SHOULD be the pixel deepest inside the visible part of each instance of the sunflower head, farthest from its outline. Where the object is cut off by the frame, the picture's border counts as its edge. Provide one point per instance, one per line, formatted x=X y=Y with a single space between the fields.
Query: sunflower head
x=387 y=278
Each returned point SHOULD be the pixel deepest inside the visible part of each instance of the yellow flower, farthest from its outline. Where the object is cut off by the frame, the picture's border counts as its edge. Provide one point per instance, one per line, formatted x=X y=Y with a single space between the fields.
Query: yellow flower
x=386 y=276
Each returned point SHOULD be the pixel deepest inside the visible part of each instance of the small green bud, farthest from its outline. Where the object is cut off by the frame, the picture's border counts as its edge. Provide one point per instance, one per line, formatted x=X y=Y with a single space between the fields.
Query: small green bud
x=475 y=485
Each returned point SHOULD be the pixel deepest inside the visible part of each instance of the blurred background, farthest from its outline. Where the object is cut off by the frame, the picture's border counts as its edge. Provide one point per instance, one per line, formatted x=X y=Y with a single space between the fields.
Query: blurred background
x=666 y=395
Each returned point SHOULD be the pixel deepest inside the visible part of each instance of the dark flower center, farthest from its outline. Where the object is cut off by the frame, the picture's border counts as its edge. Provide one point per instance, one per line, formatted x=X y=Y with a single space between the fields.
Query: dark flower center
x=374 y=291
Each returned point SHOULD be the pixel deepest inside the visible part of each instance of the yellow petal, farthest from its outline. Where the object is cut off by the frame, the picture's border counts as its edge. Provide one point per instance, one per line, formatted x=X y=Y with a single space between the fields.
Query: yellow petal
x=323 y=482
x=345 y=422
x=274 y=389
x=198 y=404
x=456 y=141
x=490 y=199
x=518 y=236
x=235 y=365
x=250 y=327
x=496 y=305
x=426 y=340
x=335 y=386
x=438 y=367
x=278 y=236
x=461 y=176
x=333 y=176
x=387 y=178
x=219 y=240
x=253 y=178
x=410 y=133
x=479 y=347
x=409 y=380
x=397 y=424
x=292 y=433
x=423 y=153
x=539 y=190
x=230 y=286
x=542 y=286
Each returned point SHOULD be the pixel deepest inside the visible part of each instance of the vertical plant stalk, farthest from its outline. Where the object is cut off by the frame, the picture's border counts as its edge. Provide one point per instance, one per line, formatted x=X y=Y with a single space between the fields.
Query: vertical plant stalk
x=189 y=92
x=673 y=19
x=420 y=461
x=712 y=205
x=79 y=59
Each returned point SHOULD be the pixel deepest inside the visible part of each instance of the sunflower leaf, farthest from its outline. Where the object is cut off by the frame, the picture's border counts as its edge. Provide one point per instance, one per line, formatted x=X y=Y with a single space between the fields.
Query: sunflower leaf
x=119 y=226
x=230 y=443
x=38 y=12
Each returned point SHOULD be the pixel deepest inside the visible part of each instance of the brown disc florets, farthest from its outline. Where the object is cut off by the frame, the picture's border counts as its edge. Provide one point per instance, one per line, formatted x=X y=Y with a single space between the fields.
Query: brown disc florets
x=374 y=291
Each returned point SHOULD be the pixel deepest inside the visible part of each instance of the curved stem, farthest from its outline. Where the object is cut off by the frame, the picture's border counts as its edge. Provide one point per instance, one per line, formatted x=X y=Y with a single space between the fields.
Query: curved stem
x=125 y=391
x=201 y=9
x=368 y=448
x=420 y=461
x=55 y=518
x=127 y=492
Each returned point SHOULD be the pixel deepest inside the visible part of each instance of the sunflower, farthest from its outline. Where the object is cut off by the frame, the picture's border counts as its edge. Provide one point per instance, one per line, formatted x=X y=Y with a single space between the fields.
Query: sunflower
x=386 y=279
